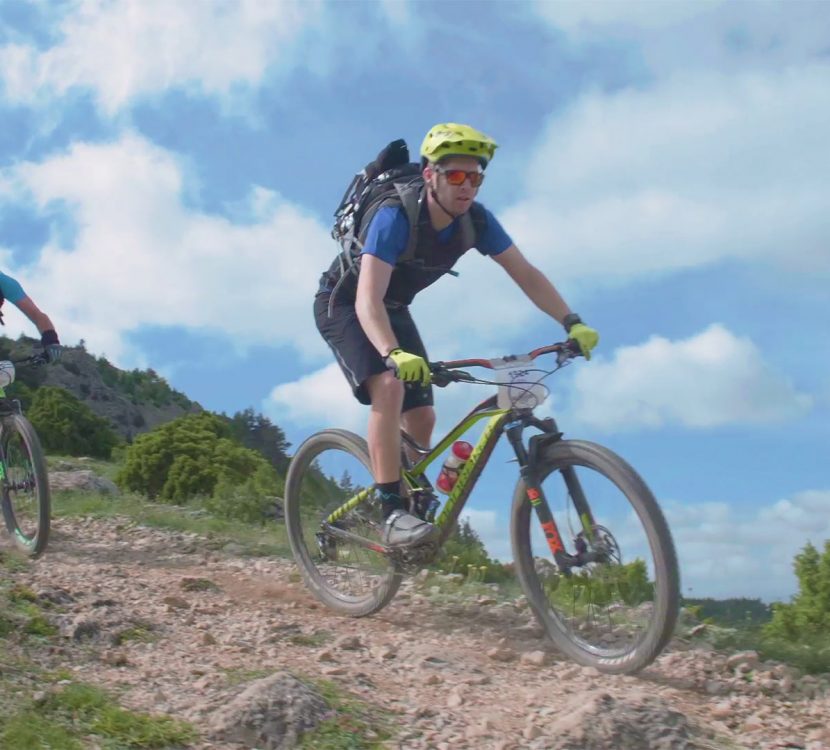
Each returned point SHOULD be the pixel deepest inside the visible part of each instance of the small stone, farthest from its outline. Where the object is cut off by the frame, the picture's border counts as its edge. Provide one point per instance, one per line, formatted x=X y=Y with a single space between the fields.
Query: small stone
x=454 y=700
x=715 y=687
x=502 y=654
x=115 y=658
x=534 y=658
x=753 y=723
x=348 y=643
x=531 y=732
x=333 y=670
x=743 y=657
x=175 y=602
x=722 y=710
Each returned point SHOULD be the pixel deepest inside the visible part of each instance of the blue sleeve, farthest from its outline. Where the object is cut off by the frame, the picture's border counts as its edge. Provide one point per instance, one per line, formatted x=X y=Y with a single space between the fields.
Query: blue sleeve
x=387 y=234
x=494 y=239
x=11 y=289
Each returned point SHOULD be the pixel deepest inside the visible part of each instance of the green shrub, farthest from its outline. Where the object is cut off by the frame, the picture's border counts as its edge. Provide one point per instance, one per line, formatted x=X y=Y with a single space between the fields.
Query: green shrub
x=187 y=458
x=808 y=615
x=250 y=499
x=67 y=426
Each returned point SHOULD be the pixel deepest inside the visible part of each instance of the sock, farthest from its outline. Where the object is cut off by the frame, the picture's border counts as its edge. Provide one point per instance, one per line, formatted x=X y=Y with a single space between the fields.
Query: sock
x=390 y=496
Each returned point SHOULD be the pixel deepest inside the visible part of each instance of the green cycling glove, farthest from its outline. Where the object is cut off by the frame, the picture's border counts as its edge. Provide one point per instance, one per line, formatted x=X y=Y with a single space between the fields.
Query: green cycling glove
x=586 y=337
x=409 y=367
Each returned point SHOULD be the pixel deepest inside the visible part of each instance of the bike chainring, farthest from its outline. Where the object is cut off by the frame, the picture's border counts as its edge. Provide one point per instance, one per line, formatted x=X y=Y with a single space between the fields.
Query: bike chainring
x=411 y=560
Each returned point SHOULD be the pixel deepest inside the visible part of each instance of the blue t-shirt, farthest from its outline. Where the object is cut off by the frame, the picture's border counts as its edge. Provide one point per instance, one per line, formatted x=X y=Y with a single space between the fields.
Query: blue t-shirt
x=388 y=234
x=12 y=291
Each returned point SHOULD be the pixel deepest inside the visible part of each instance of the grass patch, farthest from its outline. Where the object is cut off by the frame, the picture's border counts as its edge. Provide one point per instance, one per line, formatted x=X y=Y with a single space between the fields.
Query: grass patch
x=313 y=640
x=252 y=539
x=354 y=726
x=101 y=467
x=21 y=613
x=238 y=676
x=28 y=730
x=137 y=633
x=77 y=716
x=12 y=561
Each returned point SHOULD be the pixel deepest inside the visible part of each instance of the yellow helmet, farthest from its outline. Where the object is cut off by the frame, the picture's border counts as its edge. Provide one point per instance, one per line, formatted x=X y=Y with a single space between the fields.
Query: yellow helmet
x=453 y=139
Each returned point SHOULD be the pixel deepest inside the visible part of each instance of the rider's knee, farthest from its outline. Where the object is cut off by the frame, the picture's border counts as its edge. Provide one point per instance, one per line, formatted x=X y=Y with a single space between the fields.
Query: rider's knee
x=385 y=390
x=422 y=416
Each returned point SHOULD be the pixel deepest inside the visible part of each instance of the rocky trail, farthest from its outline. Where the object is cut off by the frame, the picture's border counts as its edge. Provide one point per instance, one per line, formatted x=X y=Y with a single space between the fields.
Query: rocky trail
x=237 y=647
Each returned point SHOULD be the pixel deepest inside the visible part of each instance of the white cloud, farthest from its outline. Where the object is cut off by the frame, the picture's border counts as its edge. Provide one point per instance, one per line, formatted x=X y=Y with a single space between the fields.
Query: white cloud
x=698 y=33
x=320 y=399
x=140 y=257
x=699 y=168
x=726 y=551
x=123 y=49
x=711 y=379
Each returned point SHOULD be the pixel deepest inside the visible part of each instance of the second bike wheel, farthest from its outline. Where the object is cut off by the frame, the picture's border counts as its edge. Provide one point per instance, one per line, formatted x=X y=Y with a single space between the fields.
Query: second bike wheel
x=326 y=470
x=24 y=485
x=617 y=612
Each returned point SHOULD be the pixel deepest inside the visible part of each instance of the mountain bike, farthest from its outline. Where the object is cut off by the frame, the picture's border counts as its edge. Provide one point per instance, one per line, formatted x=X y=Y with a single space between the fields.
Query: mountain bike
x=606 y=592
x=24 y=481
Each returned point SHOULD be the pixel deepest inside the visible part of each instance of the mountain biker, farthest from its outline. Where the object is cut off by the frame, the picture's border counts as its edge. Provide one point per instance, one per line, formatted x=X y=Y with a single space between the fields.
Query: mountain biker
x=369 y=327
x=11 y=290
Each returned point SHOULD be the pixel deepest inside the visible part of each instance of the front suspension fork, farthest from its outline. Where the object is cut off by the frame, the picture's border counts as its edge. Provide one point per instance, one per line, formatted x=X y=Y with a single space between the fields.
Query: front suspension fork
x=527 y=468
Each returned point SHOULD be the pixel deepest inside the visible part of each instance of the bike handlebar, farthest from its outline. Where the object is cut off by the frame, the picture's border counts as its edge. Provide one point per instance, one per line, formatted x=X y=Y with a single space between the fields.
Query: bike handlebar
x=34 y=360
x=444 y=373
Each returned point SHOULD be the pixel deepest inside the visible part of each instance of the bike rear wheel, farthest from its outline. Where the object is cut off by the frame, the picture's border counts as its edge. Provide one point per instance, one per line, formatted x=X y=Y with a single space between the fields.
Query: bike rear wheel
x=617 y=613
x=25 y=485
x=327 y=469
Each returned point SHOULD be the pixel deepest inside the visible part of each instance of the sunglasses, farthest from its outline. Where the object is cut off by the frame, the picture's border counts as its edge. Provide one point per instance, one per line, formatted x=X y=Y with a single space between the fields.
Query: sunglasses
x=456 y=177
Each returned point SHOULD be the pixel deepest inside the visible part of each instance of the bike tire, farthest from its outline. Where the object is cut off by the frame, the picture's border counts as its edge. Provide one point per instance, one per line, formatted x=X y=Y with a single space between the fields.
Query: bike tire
x=666 y=593
x=30 y=541
x=387 y=583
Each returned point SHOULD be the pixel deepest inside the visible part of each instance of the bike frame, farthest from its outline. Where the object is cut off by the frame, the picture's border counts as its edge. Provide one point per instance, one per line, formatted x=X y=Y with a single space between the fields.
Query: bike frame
x=511 y=421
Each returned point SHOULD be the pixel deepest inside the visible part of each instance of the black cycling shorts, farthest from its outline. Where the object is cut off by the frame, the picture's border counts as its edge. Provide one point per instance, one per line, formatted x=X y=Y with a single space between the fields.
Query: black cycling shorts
x=358 y=357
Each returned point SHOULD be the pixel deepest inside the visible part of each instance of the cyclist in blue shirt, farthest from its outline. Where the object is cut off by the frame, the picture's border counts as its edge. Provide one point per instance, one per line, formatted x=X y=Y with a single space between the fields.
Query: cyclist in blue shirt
x=367 y=323
x=11 y=290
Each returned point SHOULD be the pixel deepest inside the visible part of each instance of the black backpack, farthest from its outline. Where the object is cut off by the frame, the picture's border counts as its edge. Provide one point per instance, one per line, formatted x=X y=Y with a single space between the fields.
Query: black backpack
x=390 y=179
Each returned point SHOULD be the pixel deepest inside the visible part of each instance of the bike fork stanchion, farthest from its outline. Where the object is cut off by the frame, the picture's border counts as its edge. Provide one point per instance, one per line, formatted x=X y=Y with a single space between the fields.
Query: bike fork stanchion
x=537 y=498
x=580 y=503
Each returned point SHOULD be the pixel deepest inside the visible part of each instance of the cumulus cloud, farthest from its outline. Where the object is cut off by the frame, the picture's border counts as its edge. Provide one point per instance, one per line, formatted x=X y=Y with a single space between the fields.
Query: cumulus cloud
x=699 y=168
x=697 y=33
x=320 y=399
x=729 y=551
x=122 y=49
x=141 y=257
x=711 y=379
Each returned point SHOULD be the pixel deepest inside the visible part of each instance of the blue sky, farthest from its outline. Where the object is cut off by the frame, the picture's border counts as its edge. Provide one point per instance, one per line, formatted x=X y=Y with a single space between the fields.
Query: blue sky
x=168 y=173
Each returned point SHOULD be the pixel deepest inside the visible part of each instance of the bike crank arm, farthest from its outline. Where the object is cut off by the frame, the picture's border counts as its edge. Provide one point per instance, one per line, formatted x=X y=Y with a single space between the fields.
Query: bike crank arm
x=348 y=536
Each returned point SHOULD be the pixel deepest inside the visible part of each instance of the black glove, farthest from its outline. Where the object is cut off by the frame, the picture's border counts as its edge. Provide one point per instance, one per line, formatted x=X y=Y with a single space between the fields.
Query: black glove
x=51 y=346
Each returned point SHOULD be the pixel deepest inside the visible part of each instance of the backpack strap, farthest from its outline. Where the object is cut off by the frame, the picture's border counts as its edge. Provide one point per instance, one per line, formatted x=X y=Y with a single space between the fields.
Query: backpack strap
x=412 y=197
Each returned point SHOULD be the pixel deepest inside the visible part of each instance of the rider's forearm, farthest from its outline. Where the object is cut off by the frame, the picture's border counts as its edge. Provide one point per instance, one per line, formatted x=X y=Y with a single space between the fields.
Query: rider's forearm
x=543 y=294
x=375 y=323
x=39 y=318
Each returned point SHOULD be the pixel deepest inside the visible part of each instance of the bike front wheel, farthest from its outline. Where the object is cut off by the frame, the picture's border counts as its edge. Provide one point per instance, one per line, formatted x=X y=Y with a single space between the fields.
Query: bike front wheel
x=615 y=609
x=347 y=576
x=25 y=485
